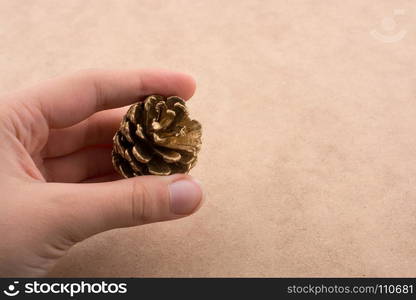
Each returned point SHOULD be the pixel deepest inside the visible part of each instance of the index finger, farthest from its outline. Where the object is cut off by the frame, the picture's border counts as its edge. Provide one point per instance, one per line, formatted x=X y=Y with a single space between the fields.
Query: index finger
x=68 y=100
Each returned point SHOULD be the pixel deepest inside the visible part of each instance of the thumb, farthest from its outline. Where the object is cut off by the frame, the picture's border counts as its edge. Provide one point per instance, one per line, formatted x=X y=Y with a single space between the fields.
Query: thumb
x=97 y=207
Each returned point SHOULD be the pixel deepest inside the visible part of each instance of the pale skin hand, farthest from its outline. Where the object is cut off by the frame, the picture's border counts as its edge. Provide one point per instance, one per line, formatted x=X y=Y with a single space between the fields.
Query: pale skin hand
x=57 y=185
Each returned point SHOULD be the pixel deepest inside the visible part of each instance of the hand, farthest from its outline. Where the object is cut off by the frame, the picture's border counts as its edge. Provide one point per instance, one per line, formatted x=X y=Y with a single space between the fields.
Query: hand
x=57 y=183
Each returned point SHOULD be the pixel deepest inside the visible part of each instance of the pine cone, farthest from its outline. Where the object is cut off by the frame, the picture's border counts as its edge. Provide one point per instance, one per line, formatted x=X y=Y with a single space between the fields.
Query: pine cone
x=156 y=137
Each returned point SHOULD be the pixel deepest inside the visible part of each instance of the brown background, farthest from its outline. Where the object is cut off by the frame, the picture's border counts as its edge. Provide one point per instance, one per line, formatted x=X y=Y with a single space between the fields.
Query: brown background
x=309 y=153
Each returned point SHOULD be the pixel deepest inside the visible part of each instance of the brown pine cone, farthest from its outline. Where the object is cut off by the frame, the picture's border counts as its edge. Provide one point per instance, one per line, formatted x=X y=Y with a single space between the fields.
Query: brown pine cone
x=156 y=137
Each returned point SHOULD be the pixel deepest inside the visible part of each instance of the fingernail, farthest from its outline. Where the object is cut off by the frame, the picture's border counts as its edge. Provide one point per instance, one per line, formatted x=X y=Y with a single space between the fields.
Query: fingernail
x=185 y=196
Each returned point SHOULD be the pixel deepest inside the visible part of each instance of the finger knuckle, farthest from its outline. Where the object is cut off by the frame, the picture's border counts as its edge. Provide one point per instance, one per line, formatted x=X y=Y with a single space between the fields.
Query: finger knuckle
x=140 y=201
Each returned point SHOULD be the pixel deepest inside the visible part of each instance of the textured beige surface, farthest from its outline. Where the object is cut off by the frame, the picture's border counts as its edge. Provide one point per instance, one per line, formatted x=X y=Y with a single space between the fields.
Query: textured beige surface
x=309 y=153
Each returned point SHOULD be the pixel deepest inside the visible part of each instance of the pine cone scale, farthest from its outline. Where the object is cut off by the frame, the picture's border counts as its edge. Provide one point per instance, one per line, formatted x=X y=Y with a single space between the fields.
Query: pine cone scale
x=133 y=113
x=168 y=155
x=158 y=166
x=141 y=154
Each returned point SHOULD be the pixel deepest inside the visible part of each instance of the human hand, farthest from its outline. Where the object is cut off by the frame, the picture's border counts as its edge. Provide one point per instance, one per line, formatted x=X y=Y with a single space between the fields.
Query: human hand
x=57 y=183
